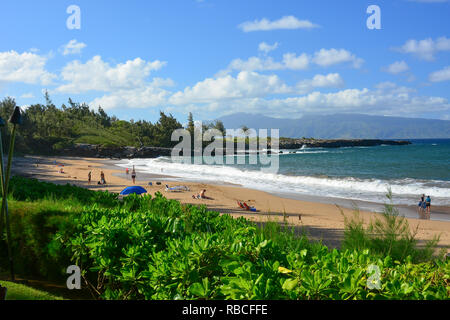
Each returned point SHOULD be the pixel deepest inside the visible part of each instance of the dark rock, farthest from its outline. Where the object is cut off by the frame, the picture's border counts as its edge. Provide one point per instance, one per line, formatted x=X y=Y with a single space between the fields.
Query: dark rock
x=97 y=151
x=310 y=143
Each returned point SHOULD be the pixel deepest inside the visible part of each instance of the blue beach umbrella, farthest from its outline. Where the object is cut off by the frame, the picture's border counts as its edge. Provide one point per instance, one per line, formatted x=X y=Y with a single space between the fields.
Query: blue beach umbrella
x=133 y=189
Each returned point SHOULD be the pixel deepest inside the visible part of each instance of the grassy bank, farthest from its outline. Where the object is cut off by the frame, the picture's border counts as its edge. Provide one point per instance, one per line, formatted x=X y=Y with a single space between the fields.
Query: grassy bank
x=154 y=248
x=18 y=291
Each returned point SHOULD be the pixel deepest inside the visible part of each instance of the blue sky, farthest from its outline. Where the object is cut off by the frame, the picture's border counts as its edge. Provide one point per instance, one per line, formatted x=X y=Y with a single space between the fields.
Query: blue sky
x=216 y=57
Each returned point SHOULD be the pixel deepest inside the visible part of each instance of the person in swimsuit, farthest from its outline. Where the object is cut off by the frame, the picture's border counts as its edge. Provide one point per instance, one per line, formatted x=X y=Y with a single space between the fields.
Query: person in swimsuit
x=133 y=175
x=102 y=178
x=428 y=205
x=202 y=195
x=421 y=202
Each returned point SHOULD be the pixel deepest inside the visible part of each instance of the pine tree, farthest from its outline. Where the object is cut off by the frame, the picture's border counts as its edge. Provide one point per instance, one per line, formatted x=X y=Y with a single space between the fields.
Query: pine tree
x=191 y=126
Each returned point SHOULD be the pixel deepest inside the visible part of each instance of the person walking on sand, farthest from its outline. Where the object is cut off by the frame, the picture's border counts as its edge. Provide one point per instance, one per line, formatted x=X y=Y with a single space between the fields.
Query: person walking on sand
x=133 y=175
x=89 y=177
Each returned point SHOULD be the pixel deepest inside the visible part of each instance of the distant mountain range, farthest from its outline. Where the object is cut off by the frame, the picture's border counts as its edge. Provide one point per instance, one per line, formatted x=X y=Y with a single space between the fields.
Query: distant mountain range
x=344 y=126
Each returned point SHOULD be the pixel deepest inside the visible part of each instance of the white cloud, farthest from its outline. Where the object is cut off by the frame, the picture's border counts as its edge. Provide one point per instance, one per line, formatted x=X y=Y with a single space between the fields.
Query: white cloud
x=387 y=98
x=266 y=94
x=385 y=85
x=254 y=92
x=367 y=101
x=397 y=67
x=27 y=96
x=331 y=80
x=160 y=82
x=255 y=64
x=73 y=47
x=286 y=22
x=292 y=61
x=427 y=48
x=329 y=57
x=97 y=75
x=26 y=67
x=440 y=75
x=266 y=48
x=393 y=88
x=246 y=85
x=142 y=97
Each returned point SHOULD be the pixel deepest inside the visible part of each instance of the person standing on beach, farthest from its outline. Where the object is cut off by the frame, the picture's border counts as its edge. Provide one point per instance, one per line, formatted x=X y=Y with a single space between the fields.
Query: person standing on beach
x=421 y=203
x=428 y=202
x=89 y=177
x=102 y=178
x=133 y=175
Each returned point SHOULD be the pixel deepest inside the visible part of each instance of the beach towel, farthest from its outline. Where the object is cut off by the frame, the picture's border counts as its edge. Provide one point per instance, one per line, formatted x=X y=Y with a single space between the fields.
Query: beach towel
x=176 y=188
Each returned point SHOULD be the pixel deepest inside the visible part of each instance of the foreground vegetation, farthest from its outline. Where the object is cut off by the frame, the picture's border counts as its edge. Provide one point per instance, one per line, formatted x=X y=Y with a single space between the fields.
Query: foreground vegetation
x=153 y=248
x=18 y=291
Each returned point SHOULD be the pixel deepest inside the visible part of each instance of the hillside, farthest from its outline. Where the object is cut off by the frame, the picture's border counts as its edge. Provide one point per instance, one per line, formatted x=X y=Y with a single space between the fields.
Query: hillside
x=47 y=129
x=345 y=126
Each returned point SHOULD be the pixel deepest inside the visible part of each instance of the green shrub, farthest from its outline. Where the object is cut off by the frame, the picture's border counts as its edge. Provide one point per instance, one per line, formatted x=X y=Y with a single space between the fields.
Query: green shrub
x=388 y=235
x=33 y=227
x=153 y=248
x=25 y=189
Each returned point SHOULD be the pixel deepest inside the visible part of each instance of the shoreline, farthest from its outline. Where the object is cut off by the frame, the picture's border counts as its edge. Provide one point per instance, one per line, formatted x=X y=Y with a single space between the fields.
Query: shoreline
x=440 y=213
x=320 y=218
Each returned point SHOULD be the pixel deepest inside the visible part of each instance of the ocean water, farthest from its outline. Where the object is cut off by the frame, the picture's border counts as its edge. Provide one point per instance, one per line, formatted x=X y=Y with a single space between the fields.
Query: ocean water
x=358 y=173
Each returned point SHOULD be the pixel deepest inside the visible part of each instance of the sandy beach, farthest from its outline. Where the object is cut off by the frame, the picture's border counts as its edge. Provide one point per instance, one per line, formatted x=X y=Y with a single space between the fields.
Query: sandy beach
x=320 y=221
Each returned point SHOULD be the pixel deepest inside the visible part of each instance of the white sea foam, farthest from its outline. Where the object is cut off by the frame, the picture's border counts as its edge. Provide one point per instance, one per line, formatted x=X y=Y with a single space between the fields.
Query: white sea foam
x=405 y=191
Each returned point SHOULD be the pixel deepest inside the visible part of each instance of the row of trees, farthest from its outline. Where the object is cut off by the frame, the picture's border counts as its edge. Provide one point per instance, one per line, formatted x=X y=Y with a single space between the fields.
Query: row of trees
x=217 y=124
x=47 y=128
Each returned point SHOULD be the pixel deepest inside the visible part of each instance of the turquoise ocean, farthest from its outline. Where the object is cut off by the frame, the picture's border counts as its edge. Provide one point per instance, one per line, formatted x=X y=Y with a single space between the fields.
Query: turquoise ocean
x=355 y=173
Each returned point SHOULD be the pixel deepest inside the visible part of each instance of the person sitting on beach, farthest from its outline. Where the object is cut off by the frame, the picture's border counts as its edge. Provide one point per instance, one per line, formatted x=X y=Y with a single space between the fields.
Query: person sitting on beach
x=245 y=206
x=202 y=195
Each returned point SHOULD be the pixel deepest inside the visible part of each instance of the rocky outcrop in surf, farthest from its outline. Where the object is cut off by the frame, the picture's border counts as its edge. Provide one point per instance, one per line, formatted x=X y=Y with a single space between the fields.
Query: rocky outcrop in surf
x=99 y=151
x=337 y=143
